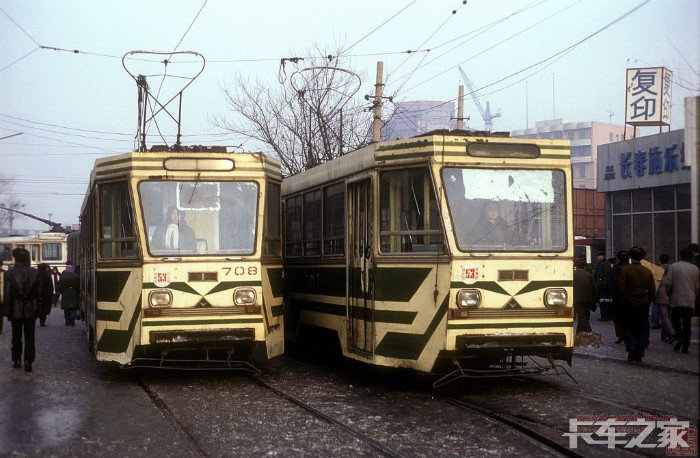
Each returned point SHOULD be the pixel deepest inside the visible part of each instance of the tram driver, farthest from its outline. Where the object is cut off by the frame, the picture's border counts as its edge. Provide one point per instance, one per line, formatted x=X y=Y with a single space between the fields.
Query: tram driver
x=174 y=234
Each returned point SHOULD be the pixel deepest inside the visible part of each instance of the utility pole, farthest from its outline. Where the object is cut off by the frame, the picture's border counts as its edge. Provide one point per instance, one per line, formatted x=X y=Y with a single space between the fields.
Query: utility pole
x=460 y=108
x=378 y=102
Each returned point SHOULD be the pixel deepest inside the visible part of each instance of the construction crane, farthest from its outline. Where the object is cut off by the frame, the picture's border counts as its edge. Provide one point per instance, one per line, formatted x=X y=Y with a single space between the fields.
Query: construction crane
x=486 y=114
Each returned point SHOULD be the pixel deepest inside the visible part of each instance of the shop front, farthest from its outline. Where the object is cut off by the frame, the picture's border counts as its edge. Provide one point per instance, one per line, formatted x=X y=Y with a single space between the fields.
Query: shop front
x=648 y=194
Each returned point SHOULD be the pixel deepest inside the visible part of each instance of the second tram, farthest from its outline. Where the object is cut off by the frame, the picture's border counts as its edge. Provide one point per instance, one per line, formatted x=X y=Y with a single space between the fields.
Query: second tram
x=181 y=257
x=44 y=247
x=437 y=248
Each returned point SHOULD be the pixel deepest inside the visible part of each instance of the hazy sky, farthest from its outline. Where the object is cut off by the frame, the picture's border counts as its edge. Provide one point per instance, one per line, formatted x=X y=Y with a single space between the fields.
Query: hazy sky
x=51 y=95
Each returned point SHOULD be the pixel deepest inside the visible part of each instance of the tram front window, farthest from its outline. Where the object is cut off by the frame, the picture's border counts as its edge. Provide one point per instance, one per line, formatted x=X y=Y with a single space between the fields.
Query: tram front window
x=507 y=210
x=199 y=218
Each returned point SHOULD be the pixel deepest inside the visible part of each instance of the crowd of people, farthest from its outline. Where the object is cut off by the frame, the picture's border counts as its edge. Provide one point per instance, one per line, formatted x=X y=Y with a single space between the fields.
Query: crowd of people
x=26 y=294
x=626 y=292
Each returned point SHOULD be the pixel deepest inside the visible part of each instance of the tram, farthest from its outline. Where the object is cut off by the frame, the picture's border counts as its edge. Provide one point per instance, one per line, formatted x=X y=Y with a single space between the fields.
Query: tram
x=44 y=247
x=180 y=255
x=446 y=247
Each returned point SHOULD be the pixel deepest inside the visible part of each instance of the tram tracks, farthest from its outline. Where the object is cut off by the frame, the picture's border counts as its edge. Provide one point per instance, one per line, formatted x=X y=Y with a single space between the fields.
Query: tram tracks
x=379 y=447
x=171 y=418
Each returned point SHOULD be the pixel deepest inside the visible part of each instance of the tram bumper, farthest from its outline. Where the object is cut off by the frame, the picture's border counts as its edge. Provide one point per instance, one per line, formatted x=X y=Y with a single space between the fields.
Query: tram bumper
x=552 y=342
x=217 y=337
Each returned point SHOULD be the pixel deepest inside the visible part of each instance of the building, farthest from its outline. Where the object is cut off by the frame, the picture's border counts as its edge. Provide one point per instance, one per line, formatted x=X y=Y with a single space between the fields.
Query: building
x=585 y=137
x=418 y=117
x=647 y=182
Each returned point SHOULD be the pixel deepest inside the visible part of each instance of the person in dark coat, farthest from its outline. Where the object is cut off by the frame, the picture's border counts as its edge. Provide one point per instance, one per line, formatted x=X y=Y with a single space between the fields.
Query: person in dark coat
x=602 y=280
x=637 y=289
x=21 y=292
x=55 y=276
x=584 y=296
x=69 y=287
x=46 y=293
x=623 y=259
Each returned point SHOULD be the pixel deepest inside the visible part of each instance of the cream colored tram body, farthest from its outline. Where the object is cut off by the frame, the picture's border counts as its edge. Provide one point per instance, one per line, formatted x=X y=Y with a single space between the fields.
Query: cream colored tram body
x=44 y=247
x=181 y=254
x=391 y=252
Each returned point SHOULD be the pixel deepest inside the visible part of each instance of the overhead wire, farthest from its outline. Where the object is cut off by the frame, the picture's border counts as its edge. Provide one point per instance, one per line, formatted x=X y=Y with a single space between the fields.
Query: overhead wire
x=555 y=55
x=496 y=44
x=19 y=27
x=380 y=25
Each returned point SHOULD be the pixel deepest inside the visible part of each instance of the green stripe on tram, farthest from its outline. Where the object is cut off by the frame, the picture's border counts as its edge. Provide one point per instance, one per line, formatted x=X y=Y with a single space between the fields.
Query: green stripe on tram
x=226 y=285
x=402 y=345
x=485 y=285
x=177 y=286
x=398 y=284
x=117 y=341
x=109 y=315
x=380 y=316
x=541 y=284
x=274 y=275
x=277 y=310
x=110 y=284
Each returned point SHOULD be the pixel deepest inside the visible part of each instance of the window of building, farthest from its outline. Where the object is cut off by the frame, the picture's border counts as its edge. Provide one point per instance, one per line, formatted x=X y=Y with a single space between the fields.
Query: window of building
x=621 y=202
x=641 y=200
x=271 y=232
x=683 y=196
x=312 y=223
x=117 y=234
x=683 y=230
x=664 y=198
x=642 y=231
x=409 y=219
x=622 y=231
x=292 y=241
x=334 y=220
x=611 y=137
x=582 y=171
x=664 y=230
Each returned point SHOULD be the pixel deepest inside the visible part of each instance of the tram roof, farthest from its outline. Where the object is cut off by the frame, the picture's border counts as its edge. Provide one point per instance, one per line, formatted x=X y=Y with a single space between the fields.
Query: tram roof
x=448 y=147
x=149 y=163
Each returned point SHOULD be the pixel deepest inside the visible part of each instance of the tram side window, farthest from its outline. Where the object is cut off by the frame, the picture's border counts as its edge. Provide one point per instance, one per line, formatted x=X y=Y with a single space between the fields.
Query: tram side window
x=334 y=220
x=409 y=215
x=271 y=234
x=117 y=237
x=292 y=244
x=51 y=251
x=312 y=223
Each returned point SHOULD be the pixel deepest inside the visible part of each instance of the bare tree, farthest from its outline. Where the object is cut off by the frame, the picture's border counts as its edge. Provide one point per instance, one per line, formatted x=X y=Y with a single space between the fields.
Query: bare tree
x=7 y=201
x=309 y=118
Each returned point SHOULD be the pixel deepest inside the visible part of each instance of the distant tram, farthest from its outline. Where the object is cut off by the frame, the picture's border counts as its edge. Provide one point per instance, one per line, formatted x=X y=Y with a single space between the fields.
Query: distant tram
x=440 y=248
x=180 y=256
x=46 y=247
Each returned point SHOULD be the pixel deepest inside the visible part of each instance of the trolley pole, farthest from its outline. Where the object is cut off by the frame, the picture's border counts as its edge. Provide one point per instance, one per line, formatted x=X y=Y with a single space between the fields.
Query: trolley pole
x=460 y=108
x=378 y=102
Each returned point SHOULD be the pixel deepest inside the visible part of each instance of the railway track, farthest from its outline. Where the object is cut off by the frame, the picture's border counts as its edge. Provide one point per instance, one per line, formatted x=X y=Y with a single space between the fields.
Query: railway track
x=526 y=427
x=653 y=367
x=595 y=397
x=382 y=449
x=186 y=435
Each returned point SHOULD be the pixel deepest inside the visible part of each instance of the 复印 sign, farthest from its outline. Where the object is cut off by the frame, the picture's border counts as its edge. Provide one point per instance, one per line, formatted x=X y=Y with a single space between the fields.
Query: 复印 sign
x=648 y=99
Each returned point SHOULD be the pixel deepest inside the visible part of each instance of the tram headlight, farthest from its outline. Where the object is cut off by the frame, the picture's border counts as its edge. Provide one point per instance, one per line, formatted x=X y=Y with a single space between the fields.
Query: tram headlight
x=555 y=297
x=160 y=298
x=244 y=296
x=468 y=298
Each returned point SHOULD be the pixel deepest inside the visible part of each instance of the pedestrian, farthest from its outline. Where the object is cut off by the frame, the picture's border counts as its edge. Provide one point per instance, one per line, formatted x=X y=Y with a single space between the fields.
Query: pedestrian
x=584 y=296
x=55 y=276
x=45 y=293
x=623 y=260
x=656 y=320
x=21 y=300
x=602 y=279
x=662 y=302
x=682 y=286
x=69 y=287
x=637 y=289
x=2 y=290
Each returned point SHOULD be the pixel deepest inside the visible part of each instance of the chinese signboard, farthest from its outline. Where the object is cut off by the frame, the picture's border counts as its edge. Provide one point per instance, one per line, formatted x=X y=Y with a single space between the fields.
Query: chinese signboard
x=648 y=101
x=650 y=161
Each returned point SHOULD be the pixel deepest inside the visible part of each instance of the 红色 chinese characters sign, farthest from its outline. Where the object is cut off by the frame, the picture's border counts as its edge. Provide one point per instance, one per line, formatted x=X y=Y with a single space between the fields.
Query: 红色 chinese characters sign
x=648 y=101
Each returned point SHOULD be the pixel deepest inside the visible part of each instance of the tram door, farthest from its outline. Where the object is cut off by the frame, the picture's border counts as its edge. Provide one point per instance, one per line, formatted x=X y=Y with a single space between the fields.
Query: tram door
x=361 y=289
